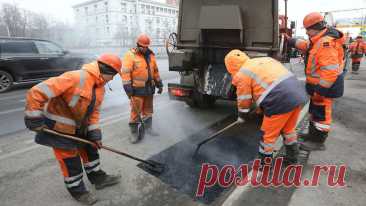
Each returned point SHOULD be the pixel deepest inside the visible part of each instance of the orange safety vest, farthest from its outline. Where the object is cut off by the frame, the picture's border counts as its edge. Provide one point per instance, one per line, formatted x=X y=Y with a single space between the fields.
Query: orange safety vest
x=259 y=80
x=139 y=72
x=357 y=48
x=324 y=62
x=65 y=99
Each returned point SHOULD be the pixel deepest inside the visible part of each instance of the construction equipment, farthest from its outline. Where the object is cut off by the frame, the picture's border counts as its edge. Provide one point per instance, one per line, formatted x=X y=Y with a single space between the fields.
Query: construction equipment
x=213 y=136
x=153 y=166
x=207 y=31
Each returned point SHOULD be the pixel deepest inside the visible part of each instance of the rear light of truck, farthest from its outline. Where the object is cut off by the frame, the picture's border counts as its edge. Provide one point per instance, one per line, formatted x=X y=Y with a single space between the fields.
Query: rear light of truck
x=179 y=92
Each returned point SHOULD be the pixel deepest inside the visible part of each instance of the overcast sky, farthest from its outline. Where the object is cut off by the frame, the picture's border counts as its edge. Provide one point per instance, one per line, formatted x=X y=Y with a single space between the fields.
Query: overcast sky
x=61 y=9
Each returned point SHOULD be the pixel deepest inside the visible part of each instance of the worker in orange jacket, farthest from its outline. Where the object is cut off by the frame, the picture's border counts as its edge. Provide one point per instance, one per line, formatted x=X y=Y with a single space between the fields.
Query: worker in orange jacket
x=324 y=66
x=358 y=49
x=70 y=104
x=276 y=91
x=140 y=77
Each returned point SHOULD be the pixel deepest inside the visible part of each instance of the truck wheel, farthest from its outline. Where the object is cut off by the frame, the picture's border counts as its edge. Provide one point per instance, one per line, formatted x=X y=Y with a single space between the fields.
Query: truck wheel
x=6 y=81
x=201 y=101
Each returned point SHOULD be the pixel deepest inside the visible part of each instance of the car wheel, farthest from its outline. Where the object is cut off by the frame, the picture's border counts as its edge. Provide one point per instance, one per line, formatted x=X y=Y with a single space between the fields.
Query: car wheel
x=6 y=81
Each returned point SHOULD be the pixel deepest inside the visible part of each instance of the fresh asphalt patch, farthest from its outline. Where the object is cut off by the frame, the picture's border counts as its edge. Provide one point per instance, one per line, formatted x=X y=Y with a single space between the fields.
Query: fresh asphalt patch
x=236 y=146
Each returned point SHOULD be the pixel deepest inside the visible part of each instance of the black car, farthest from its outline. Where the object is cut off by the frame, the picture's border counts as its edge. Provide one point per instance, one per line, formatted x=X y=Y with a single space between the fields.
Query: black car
x=25 y=60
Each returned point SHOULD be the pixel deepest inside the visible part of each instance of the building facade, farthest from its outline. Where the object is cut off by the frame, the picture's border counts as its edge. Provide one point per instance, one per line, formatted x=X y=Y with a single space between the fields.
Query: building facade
x=117 y=22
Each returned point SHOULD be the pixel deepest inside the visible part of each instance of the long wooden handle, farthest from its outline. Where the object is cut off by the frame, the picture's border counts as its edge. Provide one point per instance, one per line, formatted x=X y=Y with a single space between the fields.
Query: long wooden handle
x=93 y=144
x=218 y=133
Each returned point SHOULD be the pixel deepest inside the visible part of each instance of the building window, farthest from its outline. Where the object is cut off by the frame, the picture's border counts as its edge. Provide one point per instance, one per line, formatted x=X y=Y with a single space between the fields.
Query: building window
x=106 y=6
x=86 y=10
x=106 y=18
x=165 y=10
x=77 y=10
x=108 y=30
x=96 y=19
x=123 y=7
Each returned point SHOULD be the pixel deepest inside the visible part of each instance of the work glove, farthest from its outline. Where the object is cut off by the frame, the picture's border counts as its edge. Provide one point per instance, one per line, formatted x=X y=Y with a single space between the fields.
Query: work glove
x=128 y=89
x=35 y=124
x=98 y=144
x=241 y=117
x=240 y=120
x=160 y=90
x=160 y=86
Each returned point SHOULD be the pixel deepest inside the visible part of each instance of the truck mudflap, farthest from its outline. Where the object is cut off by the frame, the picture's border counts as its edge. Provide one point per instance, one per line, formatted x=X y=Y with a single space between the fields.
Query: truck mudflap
x=180 y=92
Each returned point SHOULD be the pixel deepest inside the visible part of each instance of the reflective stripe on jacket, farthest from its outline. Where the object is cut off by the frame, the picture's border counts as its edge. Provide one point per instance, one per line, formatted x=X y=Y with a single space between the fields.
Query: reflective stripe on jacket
x=269 y=84
x=135 y=71
x=64 y=100
x=324 y=62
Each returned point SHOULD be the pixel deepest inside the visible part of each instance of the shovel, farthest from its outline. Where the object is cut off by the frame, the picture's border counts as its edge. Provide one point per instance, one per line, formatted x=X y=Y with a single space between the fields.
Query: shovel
x=154 y=167
x=213 y=136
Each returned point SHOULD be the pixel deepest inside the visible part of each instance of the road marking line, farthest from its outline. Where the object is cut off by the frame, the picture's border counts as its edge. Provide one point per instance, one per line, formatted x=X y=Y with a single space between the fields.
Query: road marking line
x=22 y=100
x=12 y=110
x=12 y=97
x=17 y=152
x=106 y=121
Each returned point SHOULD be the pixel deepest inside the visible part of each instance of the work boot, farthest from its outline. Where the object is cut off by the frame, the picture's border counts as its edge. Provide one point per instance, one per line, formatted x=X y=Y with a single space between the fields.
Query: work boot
x=262 y=157
x=133 y=137
x=316 y=143
x=292 y=151
x=148 y=126
x=302 y=137
x=101 y=180
x=86 y=198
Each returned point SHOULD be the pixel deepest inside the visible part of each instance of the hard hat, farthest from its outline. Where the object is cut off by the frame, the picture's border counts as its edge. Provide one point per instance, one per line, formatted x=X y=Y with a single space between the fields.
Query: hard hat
x=143 y=40
x=234 y=60
x=111 y=60
x=312 y=19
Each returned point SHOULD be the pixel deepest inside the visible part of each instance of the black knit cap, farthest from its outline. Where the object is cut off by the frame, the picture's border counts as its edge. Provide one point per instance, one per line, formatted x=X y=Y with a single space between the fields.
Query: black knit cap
x=106 y=69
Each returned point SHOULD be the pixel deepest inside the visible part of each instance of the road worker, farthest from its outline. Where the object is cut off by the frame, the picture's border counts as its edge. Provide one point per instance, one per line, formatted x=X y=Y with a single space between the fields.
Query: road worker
x=357 y=49
x=324 y=64
x=70 y=104
x=276 y=91
x=140 y=77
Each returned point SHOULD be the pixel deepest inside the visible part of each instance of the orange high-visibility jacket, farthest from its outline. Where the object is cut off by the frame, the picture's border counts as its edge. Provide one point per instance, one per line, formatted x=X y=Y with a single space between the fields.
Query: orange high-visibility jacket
x=135 y=72
x=324 y=62
x=63 y=100
x=269 y=84
x=358 y=49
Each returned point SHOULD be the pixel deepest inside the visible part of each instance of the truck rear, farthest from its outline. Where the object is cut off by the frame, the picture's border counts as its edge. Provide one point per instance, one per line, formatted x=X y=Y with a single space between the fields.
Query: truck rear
x=207 y=31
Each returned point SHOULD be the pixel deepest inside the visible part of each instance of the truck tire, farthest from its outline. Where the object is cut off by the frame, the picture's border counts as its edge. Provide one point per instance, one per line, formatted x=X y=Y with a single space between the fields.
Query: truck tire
x=6 y=81
x=201 y=101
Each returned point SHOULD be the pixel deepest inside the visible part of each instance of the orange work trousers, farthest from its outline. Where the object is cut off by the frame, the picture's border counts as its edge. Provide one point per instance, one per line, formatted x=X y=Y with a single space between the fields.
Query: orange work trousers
x=320 y=110
x=274 y=125
x=141 y=105
x=72 y=167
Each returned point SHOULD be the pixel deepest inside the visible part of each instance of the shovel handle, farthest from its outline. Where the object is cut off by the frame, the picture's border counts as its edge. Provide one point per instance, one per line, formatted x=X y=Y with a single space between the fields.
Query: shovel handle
x=93 y=144
x=218 y=133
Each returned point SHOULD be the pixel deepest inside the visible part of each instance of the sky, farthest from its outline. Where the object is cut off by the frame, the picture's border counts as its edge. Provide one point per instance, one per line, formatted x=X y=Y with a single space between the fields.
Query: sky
x=297 y=9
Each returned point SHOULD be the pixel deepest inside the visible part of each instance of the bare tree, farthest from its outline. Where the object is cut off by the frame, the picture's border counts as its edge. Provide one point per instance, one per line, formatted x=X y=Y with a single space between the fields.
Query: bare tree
x=13 y=20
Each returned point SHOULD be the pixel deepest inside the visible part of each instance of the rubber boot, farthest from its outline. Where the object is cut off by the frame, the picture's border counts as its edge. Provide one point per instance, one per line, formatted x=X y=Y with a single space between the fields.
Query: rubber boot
x=292 y=152
x=262 y=157
x=302 y=137
x=316 y=143
x=148 y=127
x=101 y=180
x=86 y=198
x=133 y=137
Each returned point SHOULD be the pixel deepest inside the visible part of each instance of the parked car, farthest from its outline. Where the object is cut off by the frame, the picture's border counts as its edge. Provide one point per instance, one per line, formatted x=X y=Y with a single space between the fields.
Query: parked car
x=24 y=60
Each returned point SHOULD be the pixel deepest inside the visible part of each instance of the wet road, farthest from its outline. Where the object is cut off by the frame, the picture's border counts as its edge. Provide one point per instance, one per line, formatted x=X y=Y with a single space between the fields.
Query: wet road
x=12 y=103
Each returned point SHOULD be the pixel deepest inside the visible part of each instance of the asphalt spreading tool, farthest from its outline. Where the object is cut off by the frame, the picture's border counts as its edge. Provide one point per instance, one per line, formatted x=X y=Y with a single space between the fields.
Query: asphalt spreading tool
x=213 y=136
x=153 y=166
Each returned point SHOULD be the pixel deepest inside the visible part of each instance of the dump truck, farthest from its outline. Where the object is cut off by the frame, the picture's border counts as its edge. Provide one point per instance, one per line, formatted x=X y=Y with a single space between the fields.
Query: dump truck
x=207 y=31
